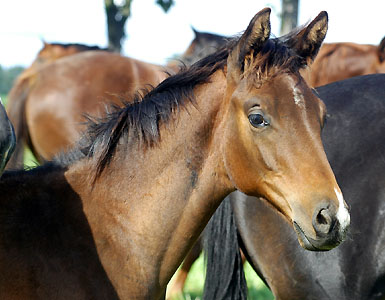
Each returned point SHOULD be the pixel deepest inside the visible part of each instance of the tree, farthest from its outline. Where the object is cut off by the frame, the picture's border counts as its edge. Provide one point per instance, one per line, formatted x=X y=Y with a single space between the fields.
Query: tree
x=116 y=18
x=289 y=16
x=117 y=14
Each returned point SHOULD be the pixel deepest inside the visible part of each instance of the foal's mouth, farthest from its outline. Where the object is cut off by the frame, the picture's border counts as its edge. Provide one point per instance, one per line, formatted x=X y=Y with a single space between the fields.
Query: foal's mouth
x=322 y=244
x=303 y=239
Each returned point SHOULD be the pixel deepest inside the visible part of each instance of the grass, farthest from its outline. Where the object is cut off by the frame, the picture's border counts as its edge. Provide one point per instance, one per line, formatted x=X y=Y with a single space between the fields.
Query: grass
x=29 y=159
x=3 y=98
x=193 y=289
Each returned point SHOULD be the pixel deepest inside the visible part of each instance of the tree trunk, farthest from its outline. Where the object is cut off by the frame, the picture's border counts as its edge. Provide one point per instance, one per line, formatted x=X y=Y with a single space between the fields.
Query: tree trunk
x=289 y=17
x=116 y=19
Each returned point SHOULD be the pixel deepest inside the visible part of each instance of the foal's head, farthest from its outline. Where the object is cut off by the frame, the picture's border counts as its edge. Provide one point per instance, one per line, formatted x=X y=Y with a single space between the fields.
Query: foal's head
x=272 y=131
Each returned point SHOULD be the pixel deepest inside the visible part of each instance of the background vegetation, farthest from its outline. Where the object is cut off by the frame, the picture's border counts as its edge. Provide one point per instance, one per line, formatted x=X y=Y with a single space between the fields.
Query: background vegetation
x=7 y=77
x=195 y=281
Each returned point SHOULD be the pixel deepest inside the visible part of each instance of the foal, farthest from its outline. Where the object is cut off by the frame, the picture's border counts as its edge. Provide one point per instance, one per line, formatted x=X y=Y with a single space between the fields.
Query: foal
x=115 y=219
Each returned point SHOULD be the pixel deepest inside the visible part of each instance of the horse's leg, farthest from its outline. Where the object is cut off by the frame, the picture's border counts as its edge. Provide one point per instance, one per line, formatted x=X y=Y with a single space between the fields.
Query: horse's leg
x=176 y=287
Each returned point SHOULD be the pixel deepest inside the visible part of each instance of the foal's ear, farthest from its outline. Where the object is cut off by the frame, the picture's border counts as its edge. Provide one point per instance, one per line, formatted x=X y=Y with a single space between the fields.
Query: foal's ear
x=308 y=41
x=381 y=50
x=253 y=39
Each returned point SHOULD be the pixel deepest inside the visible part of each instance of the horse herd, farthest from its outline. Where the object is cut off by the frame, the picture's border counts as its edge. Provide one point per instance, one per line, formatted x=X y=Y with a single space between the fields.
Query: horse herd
x=114 y=215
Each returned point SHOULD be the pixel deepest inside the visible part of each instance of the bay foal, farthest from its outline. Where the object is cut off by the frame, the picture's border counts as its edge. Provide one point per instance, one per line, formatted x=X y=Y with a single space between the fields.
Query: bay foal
x=115 y=218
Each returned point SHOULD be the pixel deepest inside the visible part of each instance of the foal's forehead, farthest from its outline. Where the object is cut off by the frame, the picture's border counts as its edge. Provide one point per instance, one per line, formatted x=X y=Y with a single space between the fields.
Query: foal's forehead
x=296 y=87
x=287 y=88
x=296 y=90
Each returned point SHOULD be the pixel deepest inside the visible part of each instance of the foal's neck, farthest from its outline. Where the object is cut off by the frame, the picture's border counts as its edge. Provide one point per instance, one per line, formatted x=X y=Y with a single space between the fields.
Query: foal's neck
x=149 y=206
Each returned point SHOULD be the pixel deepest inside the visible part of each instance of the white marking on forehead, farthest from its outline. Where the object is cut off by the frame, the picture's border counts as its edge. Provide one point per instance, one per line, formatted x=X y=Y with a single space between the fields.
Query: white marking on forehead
x=298 y=97
x=342 y=213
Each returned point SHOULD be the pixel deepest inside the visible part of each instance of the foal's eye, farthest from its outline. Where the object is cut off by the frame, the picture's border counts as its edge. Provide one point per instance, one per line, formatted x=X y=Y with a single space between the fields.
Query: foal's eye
x=257 y=120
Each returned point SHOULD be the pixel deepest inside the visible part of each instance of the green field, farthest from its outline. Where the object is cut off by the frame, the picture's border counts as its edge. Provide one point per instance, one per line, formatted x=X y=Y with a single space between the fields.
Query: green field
x=195 y=280
x=3 y=98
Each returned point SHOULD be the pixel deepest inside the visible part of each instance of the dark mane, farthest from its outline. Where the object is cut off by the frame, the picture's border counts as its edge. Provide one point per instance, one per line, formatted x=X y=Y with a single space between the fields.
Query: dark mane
x=142 y=117
x=80 y=47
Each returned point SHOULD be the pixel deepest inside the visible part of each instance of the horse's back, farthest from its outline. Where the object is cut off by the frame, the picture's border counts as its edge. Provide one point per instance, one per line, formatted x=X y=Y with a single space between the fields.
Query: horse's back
x=79 y=84
x=338 y=61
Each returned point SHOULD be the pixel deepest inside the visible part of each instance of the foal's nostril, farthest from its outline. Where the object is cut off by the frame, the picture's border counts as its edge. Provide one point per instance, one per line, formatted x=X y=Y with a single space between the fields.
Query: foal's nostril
x=323 y=217
x=323 y=221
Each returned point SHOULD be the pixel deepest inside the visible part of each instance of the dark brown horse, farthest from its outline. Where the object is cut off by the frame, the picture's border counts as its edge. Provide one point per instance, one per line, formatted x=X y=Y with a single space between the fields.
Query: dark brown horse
x=354 y=142
x=202 y=45
x=7 y=138
x=117 y=215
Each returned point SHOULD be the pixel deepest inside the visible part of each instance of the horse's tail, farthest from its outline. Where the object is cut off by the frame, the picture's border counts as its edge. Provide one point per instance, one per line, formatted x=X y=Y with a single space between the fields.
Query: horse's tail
x=16 y=113
x=224 y=274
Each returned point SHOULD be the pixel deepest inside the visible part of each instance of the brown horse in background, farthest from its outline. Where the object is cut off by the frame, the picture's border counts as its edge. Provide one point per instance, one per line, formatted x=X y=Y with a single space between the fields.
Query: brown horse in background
x=53 y=51
x=340 y=61
x=116 y=216
x=48 y=116
x=48 y=101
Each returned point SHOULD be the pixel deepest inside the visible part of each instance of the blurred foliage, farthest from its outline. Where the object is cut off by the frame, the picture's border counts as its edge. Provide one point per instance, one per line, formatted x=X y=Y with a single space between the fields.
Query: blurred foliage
x=117 y=12
x=193 y=288
x=7 y=78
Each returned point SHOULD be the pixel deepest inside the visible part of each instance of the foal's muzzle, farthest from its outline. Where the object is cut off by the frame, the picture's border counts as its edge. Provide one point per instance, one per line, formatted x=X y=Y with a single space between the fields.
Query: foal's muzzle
x=329 y=232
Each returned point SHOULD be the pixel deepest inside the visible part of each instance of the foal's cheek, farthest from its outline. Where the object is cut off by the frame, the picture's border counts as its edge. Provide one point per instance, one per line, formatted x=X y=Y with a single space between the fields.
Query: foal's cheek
x=242 y=160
